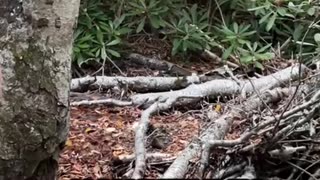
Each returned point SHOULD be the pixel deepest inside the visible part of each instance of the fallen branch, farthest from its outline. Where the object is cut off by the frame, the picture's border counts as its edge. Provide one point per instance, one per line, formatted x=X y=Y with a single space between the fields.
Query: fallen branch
x=159 y=64
x=141 y=130
x=223 y=87
x=149 y=156
x=286 y=152
x=138 y=84
x=102 y=101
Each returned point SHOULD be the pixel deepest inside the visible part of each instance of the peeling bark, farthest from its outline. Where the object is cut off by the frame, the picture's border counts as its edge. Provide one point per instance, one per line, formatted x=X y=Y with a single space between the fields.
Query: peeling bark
x=35 y=60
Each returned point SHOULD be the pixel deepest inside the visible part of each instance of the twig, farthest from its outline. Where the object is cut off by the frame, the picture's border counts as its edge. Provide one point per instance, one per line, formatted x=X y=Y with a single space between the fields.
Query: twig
x=114 y=64
x=283 y=131
x=295 y=166
x=221 y=14
x=213 y=56
x=286 y=152
x=311 y=165
x=299 y=82
x=231 y=74
x=102 y=101
x=152 y=156
x=229 y=171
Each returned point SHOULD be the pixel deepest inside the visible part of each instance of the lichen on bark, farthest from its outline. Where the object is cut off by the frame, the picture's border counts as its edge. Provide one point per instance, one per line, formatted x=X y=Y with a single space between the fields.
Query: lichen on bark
x=35 y=64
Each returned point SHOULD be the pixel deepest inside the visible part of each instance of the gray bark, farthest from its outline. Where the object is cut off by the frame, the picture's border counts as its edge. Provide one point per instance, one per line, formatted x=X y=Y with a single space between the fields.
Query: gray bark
x=35 y=60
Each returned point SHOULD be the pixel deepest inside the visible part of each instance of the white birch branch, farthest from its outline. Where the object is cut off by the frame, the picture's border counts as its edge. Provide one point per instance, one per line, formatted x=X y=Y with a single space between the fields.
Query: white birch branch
x=138 y=84
x=223 y=87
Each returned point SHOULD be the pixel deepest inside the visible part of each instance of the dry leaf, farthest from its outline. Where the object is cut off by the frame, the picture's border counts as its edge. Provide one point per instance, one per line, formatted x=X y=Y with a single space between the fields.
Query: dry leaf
x=97 y=170
x=218 y=108
x=119 y=124
x=89 y=130
x=110 y=130
x=68 y=143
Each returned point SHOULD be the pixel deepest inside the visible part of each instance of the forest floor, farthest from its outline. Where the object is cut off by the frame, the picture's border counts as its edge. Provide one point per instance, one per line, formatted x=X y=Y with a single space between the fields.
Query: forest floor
x=99 y=134
x=101 y=140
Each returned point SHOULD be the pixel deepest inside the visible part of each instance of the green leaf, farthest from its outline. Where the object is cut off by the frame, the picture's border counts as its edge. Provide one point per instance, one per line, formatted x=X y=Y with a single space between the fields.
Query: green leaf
x=265 y=56
x=176 y=45
x=99 y=36
x=227 y=52
x=103 y=53
x=141 y=25
x=194 y=45
x=80 y=60
x=264 y=18
x=83 y=46
x=282 y=11
x=271 y=22
x=194 y=12
x=255 y=45
x=242 y=41
x=298 y=32
x=114 y=42
x=235 y=27
x=290 y=15
x=248 y=33
x=154 y=20
x=256 y=8
x=311 y=11
x=317 y=37
x=124 y=31
x=259 y=65
x=247 y=59
x=264 y=48
x=113 y=53
x=76 y=49
x=98 y=52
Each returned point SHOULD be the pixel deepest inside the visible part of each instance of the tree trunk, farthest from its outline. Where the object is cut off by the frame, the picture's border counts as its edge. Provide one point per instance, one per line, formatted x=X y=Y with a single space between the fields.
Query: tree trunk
x=35 y=60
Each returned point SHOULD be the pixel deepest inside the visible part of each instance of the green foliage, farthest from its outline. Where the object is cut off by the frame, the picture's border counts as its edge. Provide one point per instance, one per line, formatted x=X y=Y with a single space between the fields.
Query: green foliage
x=243 y=28
x=97 y=36
x=235 y=37
x=142 y=12
x=252 y=55
x=187 y=32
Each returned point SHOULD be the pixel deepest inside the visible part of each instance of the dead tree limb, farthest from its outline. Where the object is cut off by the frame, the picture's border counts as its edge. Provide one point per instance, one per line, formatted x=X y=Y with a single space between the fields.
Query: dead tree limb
x=138 y=84
x=102 y=101
x=223 y=87
x=141 y=130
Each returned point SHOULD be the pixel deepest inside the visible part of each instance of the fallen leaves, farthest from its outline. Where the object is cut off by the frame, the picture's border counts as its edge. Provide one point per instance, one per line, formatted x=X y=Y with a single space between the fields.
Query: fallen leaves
x=97 y=135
